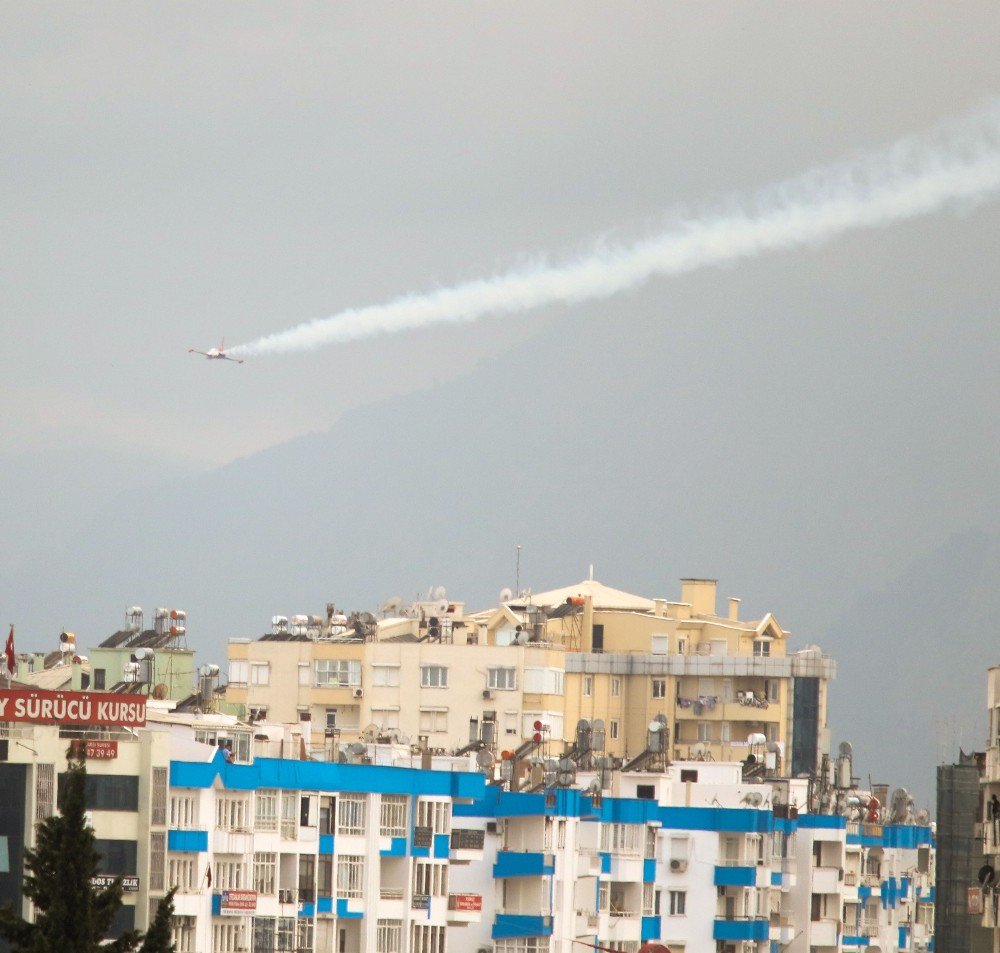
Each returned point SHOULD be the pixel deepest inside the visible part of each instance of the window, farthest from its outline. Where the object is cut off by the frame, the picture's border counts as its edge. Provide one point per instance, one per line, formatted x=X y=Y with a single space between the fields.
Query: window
x=337 y=673
x=393 y=815
x=588 y=685
x=263 y=935
x=659 y=688
x=597 y=638
x=324 y=880
x=648 y=904
x=331 y=718
x=762 y=648
x=289 y=815
x=660 y=644
x=385 y=676
x=501 y=679
x=433 y=676
x=260 y=673
x=184 y=812
x=44 y=791
x=229 y=935
x=303 y=935
x=678 y=902
x=284 y=934
x=682 y=646
x=622 y=839
x=430 y=879
x=110 y=792
x=386 y=718
x=327 y=814
x=257 y=713
x=157 y=859
x=307 y=879
x=267 y=809
x=724 y=730
x=706 y=687
x=182 y=933
x=304 y=673
x=350 y=876
x=158 y=808
x=239 y=670
x=431 y=939
x=229 y=875
x=772 y=732
x=435 y=815
x=616 y=687
x=100 y=676
x=772 y=688
x=181 y=874
x=613 y=725
x=433 y=719
x=388 y=936
x=352 y=814
x=264 y=872
x=232 y=813
x=117 y=856
x=704 y=731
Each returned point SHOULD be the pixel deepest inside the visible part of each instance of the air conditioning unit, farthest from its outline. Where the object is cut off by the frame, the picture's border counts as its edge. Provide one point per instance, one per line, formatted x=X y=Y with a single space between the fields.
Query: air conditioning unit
x=359 y=693
x=678 y=865
x=487 y=693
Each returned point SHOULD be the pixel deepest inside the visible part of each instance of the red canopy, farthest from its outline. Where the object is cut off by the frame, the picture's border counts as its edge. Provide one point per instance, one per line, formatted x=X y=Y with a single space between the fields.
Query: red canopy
x=654 y=948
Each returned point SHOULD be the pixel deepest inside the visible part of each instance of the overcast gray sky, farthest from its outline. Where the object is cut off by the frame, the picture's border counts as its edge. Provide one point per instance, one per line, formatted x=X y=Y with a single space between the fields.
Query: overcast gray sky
x=175 y=173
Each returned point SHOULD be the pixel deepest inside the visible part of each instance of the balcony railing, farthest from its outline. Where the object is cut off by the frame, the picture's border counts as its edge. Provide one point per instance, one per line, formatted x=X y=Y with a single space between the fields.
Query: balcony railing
x=467 y=839
x=390 y=893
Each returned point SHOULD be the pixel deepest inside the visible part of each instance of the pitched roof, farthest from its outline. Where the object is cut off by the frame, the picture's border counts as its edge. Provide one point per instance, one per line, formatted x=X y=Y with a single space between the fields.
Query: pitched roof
x=604 y=597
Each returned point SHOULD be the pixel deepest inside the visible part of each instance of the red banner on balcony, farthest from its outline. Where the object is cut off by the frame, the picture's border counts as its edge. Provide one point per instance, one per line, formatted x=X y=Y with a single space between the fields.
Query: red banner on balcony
x=72 y=708
x=238 y=901
x=466 y=901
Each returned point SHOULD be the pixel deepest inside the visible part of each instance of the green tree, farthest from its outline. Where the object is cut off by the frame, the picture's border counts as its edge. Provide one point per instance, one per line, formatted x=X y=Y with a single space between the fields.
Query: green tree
x=158 y=938
x=72 y=915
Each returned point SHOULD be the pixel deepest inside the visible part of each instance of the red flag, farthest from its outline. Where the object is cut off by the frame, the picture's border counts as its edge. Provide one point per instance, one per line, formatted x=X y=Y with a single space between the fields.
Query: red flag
x=208 y=876
x=9 y=652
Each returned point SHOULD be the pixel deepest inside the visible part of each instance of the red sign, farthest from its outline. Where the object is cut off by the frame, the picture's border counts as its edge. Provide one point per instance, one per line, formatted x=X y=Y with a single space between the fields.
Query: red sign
x=72 y=708
x=101 y=750
x=975 y=900
x=238 y=901
x=466 y=901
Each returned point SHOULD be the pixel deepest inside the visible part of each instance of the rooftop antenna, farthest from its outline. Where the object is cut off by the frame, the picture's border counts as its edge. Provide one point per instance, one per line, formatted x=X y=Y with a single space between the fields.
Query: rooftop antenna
x=591 y=572
x=517 y=571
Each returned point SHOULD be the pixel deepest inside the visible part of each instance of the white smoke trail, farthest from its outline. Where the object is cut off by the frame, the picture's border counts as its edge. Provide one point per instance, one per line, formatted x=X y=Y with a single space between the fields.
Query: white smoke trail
x=955 y=164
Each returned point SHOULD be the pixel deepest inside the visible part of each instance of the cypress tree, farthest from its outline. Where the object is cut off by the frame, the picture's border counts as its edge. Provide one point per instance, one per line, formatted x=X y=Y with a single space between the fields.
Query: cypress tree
x=72 y=915
x=158 y=938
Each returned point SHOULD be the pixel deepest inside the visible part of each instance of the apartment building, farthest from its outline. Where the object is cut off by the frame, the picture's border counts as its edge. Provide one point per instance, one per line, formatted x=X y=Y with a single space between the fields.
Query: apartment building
x=586 y=652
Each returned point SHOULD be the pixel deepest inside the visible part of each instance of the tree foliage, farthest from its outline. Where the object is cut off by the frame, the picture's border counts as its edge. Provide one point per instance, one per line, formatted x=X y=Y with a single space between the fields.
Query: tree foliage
x=72 y=914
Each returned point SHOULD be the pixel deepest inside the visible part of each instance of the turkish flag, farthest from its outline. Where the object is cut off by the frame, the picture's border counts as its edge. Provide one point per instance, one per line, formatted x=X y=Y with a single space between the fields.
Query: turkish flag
x=9 y=652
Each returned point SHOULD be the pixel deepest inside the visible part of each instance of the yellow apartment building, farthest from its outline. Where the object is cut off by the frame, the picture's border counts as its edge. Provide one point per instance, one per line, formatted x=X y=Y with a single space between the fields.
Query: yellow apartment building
x=724 y=686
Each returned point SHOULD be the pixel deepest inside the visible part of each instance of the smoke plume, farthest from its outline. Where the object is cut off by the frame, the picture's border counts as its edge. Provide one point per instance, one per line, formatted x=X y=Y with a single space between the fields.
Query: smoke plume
x=954 y=165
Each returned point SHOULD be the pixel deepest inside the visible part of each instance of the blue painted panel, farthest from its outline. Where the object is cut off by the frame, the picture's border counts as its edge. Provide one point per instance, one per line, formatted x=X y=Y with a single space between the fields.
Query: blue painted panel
x=397 y=848
x=902 y=938
x=420 y=851
x=864 y=894
x=735 y=876
x=510 y=924
x=740 y=930
x=855 y=941
x=827 y=822
x=216 y=904
x=442 y=846
x=517 y=864
x=343 y=913
x=324 y=905
x=605 y=863
x=326 y=843
x=288 y=775
x=649 y=870
x=775 y=879
x=650 y=928
x=307 y=910
x=187 y=840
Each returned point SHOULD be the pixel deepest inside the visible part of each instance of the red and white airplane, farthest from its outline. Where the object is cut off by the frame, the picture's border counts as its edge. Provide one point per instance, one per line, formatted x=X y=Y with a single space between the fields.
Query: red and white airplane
x=216 y=353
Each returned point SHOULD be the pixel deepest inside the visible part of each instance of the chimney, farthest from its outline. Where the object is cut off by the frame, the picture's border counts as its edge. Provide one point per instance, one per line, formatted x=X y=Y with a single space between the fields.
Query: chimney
x=700 y=593
x=734 y=609
x=660 y=608
x=679 y=610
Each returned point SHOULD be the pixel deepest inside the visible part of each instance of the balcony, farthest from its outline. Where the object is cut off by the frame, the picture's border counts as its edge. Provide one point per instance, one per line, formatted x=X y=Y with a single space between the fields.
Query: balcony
x=824 y=932
x=523 y=864
x=467 y=844
x=465 y=907
x=740 y=928
x=519 y=924
x=826 y=880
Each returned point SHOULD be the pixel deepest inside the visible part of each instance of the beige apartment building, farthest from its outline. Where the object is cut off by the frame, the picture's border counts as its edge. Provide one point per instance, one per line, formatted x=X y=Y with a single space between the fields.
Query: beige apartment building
x=433 y=675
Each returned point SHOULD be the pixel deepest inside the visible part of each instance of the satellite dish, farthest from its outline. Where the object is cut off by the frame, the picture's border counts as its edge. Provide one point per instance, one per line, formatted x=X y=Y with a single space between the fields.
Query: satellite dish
x=440 y=593
x=986 y=875
x=394 y=604
x=845 y=749
x=442 y=606
x=774 y=747
x=755 y=799
x=923 y=817
x=655 y=725
x=160 y=691
x=699 y=750
x=357 y=748
x=506 y=594
x=484 y=759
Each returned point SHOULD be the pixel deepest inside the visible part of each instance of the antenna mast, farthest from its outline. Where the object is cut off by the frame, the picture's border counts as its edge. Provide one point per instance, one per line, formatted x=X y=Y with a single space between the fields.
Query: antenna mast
x=517 y=573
